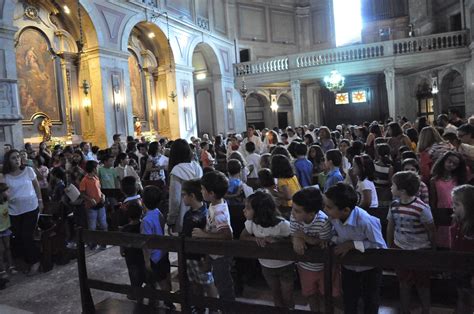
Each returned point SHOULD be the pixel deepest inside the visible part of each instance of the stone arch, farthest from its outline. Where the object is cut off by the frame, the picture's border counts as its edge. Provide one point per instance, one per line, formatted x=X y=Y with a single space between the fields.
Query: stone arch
x=257 y=110
x=452 y=94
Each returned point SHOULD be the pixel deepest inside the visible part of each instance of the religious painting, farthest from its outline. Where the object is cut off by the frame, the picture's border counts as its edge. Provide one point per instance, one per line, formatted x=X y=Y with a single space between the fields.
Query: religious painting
x=359 y=96
x=342 y=98
x=136 y=88
x=36 y=76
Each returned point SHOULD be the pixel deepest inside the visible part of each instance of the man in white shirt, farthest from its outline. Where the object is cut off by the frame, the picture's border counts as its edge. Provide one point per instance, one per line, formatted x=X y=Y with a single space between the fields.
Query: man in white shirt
x=251 y=137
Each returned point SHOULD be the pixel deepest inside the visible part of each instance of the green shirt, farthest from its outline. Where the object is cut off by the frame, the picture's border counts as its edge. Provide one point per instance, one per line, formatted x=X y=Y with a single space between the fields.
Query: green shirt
x=107 y=177
x=4 y=217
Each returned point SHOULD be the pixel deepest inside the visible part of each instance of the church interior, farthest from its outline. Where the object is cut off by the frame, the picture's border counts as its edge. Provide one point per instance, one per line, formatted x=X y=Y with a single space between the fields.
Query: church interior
x=159 y=71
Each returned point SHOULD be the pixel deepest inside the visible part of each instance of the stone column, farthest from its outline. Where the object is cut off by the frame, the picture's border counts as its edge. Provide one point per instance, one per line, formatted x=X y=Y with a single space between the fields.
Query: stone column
x=391 y=92
x=296 y=92
x=11 y=131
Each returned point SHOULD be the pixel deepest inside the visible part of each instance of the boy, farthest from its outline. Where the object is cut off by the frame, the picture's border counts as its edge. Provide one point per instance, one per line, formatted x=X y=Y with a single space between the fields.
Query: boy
x=411 y=164
x=134 y=257
x=253 y=163
x=94 y=199
x=107 y=173
x=355 y=229
x=153 y=222
x=303 y=167
x=196 y=217
x=410 y=227
x=234 y=191
x=309 y=225
x=333 y=164
x=214 y=186
x=206 y=158
x=129 y=189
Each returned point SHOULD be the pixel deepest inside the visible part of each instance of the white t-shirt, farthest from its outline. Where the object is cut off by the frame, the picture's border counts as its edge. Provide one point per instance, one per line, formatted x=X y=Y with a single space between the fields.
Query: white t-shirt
x=368 y=185
x=254 y=160
x=279 y=231
x=22 y=195
x=218 y=219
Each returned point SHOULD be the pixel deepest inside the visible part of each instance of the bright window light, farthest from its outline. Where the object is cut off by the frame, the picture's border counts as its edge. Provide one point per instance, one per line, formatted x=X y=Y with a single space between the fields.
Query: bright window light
x=347 y=14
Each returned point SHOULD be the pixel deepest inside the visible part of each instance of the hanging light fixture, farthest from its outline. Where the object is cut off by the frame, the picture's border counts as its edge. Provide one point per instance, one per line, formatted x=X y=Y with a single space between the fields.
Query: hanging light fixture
x=243 y=89
x=334 y=82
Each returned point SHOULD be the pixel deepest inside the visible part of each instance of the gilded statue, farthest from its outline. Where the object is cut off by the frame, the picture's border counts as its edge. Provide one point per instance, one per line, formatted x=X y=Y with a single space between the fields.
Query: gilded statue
x=138 y=127
x=44 y=129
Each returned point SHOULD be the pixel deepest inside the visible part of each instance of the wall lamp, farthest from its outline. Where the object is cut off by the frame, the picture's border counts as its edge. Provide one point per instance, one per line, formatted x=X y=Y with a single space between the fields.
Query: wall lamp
x=274 y=103
x=163 y=106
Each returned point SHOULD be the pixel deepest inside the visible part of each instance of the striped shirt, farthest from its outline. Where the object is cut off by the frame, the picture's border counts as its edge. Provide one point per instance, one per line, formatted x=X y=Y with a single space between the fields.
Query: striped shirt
x=423 y=193
x=409 y=223
x=381 y=174
x=320 y=228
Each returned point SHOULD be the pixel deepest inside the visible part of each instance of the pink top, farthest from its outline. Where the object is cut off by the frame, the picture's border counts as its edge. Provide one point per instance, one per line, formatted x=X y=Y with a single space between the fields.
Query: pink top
x=443 y=192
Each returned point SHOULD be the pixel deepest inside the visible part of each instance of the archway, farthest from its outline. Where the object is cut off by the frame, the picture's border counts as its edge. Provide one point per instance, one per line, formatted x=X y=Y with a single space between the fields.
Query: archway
x=207 y=87
x=150 y=63
x=285 y=111
x=50 y=67
x=452 y=93
x=257 y=111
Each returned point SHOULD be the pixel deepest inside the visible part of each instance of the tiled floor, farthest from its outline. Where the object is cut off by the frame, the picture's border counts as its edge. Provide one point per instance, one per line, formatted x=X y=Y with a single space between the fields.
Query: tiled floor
x=58 y=290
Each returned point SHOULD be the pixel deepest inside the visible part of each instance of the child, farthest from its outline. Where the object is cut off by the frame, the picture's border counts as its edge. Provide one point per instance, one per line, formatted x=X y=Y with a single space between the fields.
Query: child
x=123 y=169
x=134 y=257
x=5 y=233
x=462 y=239
x=287 y=183
x=58 y=178
x=196 y=217
x=411 y=164
x=94 y=199
x=448 y=172
x=363 y=168
x=383 y=166
x=153 y=223
x=303 y=167
x=310 y=226
x=214 y=186
x=316 y=156
x=107 y=174
x=206 y=158
x=264 y=225
x=333 y=165
x=253 y=161
x=410 y=227
x=265 y=160
x=234 y=191
x=343 y=146
x=355 y=229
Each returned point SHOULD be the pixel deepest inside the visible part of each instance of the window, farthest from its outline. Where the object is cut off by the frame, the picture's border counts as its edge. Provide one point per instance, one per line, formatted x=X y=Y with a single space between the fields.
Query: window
x=244 y=55
x=359 y=96
x=342 y=98
x=348 y=20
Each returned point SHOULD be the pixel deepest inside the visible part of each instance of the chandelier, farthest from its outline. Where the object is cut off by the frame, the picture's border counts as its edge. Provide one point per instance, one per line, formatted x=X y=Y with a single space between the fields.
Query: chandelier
x=334 y=82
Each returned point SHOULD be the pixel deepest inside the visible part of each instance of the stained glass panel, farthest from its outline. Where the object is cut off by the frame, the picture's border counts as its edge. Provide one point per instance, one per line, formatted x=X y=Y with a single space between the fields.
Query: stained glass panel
x=342 y=98
x=359 y=96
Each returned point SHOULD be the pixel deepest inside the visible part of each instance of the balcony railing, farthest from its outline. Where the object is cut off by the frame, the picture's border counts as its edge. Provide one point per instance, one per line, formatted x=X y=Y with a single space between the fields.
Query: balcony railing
x=352 y=53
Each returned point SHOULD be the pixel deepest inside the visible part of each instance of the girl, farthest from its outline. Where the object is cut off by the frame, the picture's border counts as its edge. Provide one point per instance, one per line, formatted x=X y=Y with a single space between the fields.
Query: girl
x=462 y=239
x=265 y=225
x=343 y=146
x=123 y=169
x=363 y=168
x=383 y=174
x=431 y=146
x=5 y=233
x=374 y=132
x=41 y=171
x=316 y=156
x=287 y=182
x=246 y=170
x=412 y=134
x=265 y=161
x=308 y=140
x=448 y=172
x=397 y=139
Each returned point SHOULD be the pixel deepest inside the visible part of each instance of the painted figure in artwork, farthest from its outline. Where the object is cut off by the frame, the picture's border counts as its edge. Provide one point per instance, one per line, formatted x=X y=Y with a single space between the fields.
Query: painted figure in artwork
x=45 y=129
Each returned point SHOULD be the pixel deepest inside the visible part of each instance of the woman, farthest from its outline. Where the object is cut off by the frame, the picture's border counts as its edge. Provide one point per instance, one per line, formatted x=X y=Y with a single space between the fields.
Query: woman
x=221 y=154
x=431 y=146
x=325 y=139
x=45 y=153
x=271 y=140
x=24 y=206
x=396 y=140
x=181 y=168
x=374 y=132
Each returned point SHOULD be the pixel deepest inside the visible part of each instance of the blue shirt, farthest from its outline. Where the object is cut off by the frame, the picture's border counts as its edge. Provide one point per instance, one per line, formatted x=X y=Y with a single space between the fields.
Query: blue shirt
x=304 y=171
x=152 y=224
x=363 y=229
x=234 y=185
x=334 y=176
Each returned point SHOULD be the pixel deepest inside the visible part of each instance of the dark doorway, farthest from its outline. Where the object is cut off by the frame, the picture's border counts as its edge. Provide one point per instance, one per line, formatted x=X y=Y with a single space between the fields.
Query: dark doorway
x=282 y=120
x=455 y=22
x=244 y=55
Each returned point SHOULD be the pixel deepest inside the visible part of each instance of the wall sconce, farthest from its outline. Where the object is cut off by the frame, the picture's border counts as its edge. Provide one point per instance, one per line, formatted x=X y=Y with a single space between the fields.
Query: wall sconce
x=173 y=96
x=230 y=106
x=434 y=85
x=162 y=106
x=274 y=104
x=86 y=101
x=116 y=91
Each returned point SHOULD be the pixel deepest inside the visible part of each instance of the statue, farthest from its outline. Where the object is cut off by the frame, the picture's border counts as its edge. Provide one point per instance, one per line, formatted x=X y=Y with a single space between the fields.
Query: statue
x=45 y=128
x=138 y=127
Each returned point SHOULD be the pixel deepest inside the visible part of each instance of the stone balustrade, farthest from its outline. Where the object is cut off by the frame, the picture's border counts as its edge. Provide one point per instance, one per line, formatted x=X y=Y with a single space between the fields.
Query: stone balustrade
x=392 y=48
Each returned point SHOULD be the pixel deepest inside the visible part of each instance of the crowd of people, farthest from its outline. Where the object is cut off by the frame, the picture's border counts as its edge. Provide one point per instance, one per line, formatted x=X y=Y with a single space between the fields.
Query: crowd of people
x=308 y=184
